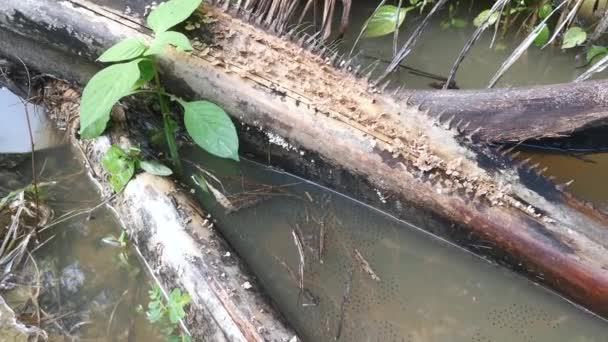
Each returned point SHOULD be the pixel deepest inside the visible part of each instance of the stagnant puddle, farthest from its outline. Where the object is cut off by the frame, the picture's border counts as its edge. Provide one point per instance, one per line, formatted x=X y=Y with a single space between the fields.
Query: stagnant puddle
x=75 y=286
x=400 y=283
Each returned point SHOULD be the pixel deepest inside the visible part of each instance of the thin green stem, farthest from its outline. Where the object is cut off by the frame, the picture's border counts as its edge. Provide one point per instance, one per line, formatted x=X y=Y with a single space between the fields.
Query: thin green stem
x=168 y=123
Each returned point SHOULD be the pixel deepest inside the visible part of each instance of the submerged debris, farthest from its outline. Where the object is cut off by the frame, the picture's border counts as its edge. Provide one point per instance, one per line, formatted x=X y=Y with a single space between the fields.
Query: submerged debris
x=365 y=265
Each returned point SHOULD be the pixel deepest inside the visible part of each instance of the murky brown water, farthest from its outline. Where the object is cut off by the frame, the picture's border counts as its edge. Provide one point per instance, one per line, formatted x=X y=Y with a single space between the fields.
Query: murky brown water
x=88 y=288
x=428 y=290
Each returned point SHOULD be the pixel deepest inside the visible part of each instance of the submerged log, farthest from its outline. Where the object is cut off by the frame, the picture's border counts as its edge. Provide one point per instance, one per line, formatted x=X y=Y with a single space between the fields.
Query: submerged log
x=355 y=133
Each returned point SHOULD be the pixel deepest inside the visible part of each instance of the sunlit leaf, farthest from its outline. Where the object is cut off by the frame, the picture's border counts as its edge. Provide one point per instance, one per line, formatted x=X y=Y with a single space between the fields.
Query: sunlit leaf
x=543 y=36
x=211 y=128
x=176 y=39
x=574 y=36
x=124 y=50
x=384 y=21
x=485 y=15
x=155 y=168
x=101 y=94
x=171 y=13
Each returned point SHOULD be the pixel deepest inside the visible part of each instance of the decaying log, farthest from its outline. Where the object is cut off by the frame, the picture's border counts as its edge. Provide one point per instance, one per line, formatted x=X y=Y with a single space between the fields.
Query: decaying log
x=178 y=243
x=519 y=114
x=332 y=119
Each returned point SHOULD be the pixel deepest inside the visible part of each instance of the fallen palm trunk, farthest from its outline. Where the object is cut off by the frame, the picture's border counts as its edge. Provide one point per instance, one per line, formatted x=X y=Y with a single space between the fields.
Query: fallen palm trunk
x=326 y=117
x=518 y=114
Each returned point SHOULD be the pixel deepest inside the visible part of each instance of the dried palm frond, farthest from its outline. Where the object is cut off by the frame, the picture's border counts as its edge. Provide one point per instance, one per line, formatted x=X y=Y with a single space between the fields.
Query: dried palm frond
x=523 y=46
x=20 y=217
x=277 y=15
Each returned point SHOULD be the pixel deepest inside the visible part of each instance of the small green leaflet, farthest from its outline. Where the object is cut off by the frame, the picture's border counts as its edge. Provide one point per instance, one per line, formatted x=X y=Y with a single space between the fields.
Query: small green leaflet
x=177 y=302
x=179 y=40
x=101 y=94
x=596 y=51
x=574 y=36
x=124 y=50
x=211 y=128
x=171 y=13
x=155 y=168
x=544 y=11
x=485 y=16
x=120 y=167
x=383 y=21
x=543 y=36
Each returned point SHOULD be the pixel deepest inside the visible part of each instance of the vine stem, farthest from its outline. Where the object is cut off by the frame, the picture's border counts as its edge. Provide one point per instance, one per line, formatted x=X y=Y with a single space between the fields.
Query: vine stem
x=168 y=122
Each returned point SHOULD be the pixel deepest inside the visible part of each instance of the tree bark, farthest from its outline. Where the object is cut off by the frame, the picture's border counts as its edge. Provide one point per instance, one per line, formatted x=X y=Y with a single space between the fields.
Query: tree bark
x=347 y=130
x=518 y=114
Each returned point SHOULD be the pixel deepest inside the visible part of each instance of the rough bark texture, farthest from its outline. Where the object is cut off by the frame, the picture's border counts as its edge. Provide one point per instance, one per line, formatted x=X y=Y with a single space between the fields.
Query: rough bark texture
x=504 y=115
x=179 y=245
x=274 y=85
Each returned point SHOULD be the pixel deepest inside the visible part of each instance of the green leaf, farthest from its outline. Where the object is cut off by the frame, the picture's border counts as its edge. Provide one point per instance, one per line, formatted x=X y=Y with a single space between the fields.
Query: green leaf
x=155 y=315
x=596 y=51
x=179 y=40
x=383 y=21
x=147 y=70
x=101 y=94
x=545 y=10
x=175 y=296
x=119 y=166
x=543 y=36
x=574 y=36
x=124 y=50
x=211 y=128
x=458 y=23
x=171 y=13
x=155 y=168
x=485 y=15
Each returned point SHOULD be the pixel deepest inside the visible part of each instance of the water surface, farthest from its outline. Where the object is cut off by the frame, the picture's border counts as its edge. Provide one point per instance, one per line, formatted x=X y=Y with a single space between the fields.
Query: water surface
x=428 y=289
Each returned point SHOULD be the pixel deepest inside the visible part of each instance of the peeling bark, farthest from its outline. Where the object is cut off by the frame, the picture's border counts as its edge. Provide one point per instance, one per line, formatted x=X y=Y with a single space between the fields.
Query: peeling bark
x=351 y=129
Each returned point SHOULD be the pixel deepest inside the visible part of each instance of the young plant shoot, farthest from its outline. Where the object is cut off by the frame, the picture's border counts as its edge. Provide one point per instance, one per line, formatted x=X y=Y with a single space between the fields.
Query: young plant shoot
x=136 y=68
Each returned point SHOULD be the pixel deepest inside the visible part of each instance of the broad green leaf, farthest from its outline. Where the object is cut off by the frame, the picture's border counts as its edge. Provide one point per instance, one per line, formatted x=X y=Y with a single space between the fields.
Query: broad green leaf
x=124 y=50
x=179 y=40
x=155 y=168
x=383 y=21
x=171 y=13
x=543 y=36
x=596 y=51
x=101 y=94
x=147 y=70
x=574 y=36
x=545 y=10
x=119 y=166
x=211 y=128
x=485 y=16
